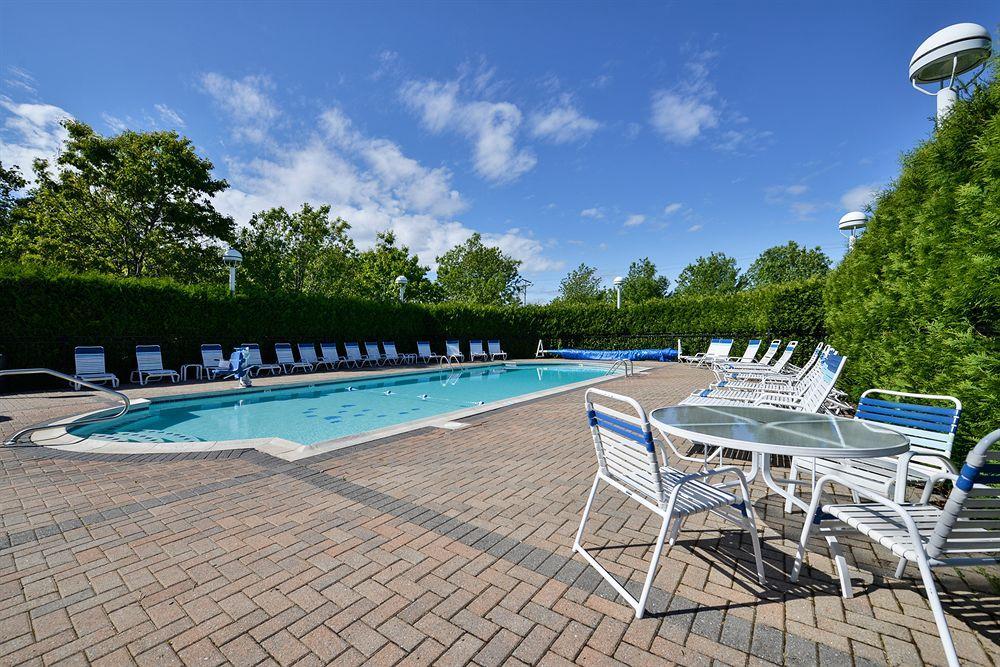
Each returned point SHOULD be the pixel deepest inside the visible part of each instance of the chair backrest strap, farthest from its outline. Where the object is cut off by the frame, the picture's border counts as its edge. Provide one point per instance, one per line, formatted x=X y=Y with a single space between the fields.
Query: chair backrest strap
x=89 y=360
x=786 y=356
x=307 y=353
x=211 y=355
x=148 y=358
x=283 y=351
x=751 y=351
x=929 y=425
x=494 y=346
x=772 y=349
x=719 y=347
x=452 y=348
x=353 y=351
x=424 y=348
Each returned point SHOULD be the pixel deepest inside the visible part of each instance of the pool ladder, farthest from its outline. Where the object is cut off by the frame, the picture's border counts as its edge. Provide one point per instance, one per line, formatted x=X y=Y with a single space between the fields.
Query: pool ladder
x=75 y=382
x=626 y=364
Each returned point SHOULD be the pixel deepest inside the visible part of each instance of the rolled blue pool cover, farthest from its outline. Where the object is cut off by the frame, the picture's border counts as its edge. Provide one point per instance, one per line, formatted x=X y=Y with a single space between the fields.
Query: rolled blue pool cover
x=664 y=354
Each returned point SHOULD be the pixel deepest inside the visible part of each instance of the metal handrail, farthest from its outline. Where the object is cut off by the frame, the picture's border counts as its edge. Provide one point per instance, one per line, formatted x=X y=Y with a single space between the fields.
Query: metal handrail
x=72 y=380
x=627 y=364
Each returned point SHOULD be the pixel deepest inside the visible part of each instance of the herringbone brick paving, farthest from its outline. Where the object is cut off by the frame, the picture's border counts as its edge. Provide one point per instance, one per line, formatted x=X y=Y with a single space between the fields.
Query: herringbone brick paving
x=437 y=547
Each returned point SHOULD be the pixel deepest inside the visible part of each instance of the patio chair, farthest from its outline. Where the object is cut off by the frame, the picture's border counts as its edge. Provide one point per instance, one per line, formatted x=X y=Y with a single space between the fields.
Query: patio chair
x=330 y=355
x=286 y=358
x=495 y=351
x=149 y=365
x=965 y=532
x=373 y=354
x=718 y=350
x=307 y=353
x=476 y=351
x=213 y=361
x=89 y=362
x=627 y=460
x=257 y=365
x=354 y=355
x=453 y=350
x=928 y=425
x=425 y=354
x=394 y=357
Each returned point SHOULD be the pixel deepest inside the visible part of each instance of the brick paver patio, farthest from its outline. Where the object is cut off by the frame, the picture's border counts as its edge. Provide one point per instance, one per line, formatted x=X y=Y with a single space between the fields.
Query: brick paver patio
x=439 y=546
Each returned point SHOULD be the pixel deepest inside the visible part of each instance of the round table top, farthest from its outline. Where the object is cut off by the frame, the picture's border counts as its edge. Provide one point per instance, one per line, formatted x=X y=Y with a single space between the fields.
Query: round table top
x=775 y=431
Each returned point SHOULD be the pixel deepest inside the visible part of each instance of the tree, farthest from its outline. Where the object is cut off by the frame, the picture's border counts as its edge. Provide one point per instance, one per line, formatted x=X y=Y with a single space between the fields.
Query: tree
x=582 y=285
x=11 y=182
x=477 y=273
x=787 y=263
x=136 y=204
x=715 y=274
x=642 y=283
x=376 y=270
x=304 y=251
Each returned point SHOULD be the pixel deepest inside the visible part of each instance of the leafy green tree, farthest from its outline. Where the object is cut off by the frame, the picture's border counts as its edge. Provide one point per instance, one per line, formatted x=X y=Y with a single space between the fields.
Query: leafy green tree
x=476 y=273
x=11 y=182
x=787 y=263
x=304 y=251
x=642 y=283
x=582 y=285
x=135 y=204
x=715 y=274
x=376 y=270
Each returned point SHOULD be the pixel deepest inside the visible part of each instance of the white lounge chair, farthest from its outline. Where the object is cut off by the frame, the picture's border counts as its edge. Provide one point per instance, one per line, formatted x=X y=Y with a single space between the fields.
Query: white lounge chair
x=754 y=379
x=89 y=362
x=763 y=362
x=627 y=460
x=394 y=357
x=307 y=353
x=425 y=354
x=283 y=351
x=476 y=351
x=731 y=368
x=149 y=365
x=929 y=426
x=753 y=345
x=213 y=361
x=256 y=362
x=330 y=355
x=453 y=351
x=495 y=351
x=965 y=532
x=373 y=354
x=354 y=355
x=718 y=350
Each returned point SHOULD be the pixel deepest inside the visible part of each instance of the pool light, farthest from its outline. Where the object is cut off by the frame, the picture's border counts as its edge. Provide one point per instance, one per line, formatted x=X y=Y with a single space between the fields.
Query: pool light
x=232 y=258
x=619 y=281
x=946 y=55
x=850 y=226
x=401 y=284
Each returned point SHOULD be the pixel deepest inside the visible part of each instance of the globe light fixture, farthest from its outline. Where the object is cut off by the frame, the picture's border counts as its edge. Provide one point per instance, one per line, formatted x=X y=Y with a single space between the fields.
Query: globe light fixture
x=401 y=282
x=619 y=281
x=945 y=56
x=850 y=226
x=232 y=258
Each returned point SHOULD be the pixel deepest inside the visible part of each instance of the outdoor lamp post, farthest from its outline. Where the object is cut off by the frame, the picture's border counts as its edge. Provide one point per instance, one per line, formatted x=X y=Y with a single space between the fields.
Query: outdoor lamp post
x=232 y=258
x=944 y=56
x=618 y=289
x=401 y=284
x=850 y=226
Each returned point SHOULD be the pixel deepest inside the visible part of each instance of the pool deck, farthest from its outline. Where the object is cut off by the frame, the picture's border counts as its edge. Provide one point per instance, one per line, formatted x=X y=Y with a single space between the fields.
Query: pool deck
x=433 y=547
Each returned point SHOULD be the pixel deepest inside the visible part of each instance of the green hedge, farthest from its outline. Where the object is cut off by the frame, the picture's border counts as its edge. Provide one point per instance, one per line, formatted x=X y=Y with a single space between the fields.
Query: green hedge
x=47 y=313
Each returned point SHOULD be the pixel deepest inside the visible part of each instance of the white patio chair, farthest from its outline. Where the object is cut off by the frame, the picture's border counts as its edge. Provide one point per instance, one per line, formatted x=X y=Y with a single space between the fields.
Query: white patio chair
x=213 y=361
x=453 y=351
x=329 y=354
x=718 y=350
x=307 y=353
x=965 y=532
x=373 y=354
x=354 y=355
x=476 y=351
x=495 y=351
x=89 y=362
x=283 y=351
x=149 y=365
x=257 y=365
x=928 y=425
x=394 y=357
x=425 y=354
x=627 y=461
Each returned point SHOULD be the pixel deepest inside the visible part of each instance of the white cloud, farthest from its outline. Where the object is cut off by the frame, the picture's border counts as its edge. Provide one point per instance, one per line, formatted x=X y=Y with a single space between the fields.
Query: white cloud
x=672 y=208
x=803 y=209
x=114 y=123
x=859 y=196
x=681 y=118
x=694 y=228
x=777 y=194
x=31 y=131
x=635 y=220
x=169 y=116
x=20 y=78
x=491 y=126
x=595 y=213
x=245 y=101
x=563 y=123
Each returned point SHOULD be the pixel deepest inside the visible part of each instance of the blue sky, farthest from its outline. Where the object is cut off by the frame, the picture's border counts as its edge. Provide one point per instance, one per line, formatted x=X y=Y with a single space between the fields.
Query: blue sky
x=591 y=132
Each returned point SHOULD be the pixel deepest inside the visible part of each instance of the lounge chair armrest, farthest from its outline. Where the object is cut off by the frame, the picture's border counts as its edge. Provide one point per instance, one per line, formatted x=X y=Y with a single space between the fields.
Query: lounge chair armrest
x=778 y=400
x=903 y=470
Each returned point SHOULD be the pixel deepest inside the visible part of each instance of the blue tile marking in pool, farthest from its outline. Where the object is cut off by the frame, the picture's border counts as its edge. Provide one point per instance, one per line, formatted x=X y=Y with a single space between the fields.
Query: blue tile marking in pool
x=320 y=412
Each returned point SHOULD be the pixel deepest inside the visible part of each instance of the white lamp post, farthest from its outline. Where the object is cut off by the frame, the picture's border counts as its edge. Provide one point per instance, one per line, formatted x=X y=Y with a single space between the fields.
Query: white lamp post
x=618 y=281
x=944 y=56
x=232 y=258
x=851 y=225
x=401 y=284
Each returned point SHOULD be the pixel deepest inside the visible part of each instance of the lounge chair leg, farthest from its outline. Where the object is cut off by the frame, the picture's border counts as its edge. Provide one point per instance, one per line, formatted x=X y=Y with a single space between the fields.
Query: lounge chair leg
x=793 y=474
x=641 y=607
x=800 y=553
x=846 y=589
x=935 y=605
x=751 y=526
x=678 y=524
x=586 y=511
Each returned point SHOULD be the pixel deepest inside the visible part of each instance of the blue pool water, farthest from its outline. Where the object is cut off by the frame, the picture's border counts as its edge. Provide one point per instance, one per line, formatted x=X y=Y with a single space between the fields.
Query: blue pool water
x=320 y=412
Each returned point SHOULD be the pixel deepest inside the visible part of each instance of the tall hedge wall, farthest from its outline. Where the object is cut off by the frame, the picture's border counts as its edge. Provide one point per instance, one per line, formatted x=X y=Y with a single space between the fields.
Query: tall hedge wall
x=47 y=313
x=916 y=303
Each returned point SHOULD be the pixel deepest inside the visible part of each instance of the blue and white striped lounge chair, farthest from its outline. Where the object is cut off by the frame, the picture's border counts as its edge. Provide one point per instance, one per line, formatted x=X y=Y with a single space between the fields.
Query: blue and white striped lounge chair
x=495 y=351
x=718 y=350
x=257 y=365
x=965 y=532
x=89 y=362
x=453 y=351
x=763 y=362
x=213 y=361
x=307 y=353
x=330 y=355
x=732 y=368
x=476 y=351
x=354 y=355
x=286 y=358
x=424 y=353
x=752 y=379
x=149 y=365
x=394 y=357
x=373 y=354
x=627 y=461
x=929 y=421
x=749 y=354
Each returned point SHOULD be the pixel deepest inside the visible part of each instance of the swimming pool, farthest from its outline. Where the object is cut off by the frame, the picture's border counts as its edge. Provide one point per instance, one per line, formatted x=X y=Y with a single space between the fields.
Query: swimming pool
x=319 y=413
